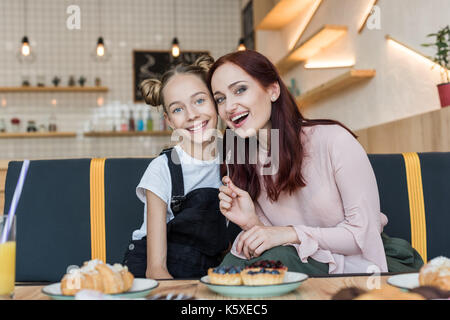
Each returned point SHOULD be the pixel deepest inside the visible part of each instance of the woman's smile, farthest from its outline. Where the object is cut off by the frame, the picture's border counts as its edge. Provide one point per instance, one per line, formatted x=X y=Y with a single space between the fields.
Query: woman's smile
x=239 y=118
x=241 y=100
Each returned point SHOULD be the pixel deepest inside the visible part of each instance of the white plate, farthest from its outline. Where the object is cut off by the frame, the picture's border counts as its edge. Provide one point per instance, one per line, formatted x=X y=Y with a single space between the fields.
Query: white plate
x=141 y=288
x=292 y=281
x=405 y=281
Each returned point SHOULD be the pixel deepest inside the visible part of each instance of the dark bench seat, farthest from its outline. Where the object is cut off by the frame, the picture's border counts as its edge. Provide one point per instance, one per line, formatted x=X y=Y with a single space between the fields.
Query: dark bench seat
x=74 y=210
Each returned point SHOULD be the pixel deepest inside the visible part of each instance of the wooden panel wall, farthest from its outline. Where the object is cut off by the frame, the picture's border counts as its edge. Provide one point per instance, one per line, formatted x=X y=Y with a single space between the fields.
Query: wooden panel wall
x=427 y=132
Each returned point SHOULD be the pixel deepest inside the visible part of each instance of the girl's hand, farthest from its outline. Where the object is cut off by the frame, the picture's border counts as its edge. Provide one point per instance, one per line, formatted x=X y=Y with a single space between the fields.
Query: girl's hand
x=157 y=273
x=252 y=243
x=237 y=205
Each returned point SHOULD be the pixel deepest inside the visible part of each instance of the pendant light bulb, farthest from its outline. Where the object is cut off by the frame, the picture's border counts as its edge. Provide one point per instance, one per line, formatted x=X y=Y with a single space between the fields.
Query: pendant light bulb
x=25 y=49
x=101 y=54
x=241 y=46
x=25 y=54
x=175 y=48
x=100 y=47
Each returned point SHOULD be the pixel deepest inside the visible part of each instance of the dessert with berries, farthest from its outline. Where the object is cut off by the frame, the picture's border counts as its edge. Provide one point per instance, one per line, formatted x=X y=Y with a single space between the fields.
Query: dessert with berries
x=264 y=272
x=268 y=264
x=228 y=275
x=262 y=276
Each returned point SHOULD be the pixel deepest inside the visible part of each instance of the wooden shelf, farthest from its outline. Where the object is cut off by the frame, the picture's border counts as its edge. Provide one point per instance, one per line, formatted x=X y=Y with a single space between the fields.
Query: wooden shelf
x=270 y=16
x=11 y=135
x=337 y=84
x=53 y=89
x=103 y=134
x=367 y=15
x=325 y=37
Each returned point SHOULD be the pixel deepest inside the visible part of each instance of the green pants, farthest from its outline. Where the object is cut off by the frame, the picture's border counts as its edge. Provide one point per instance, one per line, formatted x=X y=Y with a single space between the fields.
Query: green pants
x=287 y=255
x=400 y=257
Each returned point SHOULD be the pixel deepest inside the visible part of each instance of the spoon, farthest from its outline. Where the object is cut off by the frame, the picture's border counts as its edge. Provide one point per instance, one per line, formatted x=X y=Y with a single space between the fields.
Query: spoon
x=227 y=160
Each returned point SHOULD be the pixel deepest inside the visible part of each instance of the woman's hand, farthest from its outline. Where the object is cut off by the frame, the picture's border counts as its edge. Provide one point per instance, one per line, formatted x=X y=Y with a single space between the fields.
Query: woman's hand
x=252 y=243
x=237 y=205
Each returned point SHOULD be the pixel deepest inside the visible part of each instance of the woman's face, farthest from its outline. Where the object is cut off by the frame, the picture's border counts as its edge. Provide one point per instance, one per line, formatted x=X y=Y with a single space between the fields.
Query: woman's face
x=241 y=100
x=189 y=107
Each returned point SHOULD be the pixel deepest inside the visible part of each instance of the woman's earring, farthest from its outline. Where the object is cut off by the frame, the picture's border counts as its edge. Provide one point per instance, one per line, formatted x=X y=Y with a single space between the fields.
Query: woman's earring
x=274 y=98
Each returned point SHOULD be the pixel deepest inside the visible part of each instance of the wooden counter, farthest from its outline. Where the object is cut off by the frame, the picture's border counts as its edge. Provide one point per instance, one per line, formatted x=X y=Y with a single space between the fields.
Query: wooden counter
x=312 y=289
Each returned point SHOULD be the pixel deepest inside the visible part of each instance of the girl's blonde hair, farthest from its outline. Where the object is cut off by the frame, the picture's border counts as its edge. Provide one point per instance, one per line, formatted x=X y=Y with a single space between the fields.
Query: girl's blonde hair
x=152 y=89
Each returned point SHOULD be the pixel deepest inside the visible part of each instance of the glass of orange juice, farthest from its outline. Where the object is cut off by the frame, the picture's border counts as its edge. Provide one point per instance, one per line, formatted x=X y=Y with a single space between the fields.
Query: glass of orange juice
x=7 y=259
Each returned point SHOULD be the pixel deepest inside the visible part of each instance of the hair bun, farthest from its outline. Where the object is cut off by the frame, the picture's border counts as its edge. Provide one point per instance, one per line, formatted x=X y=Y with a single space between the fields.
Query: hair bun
x=151 y=92
x=205 y=61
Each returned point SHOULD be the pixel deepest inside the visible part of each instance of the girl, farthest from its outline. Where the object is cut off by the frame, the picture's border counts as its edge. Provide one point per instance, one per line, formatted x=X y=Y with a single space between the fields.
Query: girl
x=319 y=213
x=183 y=233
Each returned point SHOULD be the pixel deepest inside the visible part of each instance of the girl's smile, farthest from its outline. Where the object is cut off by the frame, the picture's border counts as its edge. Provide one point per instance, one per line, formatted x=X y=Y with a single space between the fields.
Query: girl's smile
x=190 y=107
x=198 y=127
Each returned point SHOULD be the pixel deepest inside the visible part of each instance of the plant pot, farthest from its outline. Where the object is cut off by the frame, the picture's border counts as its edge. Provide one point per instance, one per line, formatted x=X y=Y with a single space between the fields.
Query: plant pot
x=444 y=94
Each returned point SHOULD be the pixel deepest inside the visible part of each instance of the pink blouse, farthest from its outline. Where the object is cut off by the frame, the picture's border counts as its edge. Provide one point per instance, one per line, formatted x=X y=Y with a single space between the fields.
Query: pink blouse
x=337 y=214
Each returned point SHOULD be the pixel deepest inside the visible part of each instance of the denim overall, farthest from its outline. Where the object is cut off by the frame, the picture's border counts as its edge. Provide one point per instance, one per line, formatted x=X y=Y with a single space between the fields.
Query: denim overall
x=197 y=236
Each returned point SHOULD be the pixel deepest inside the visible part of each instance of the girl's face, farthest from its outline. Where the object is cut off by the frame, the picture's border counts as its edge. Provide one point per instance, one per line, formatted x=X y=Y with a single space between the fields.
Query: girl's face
x=189 y=107
x=241 y=100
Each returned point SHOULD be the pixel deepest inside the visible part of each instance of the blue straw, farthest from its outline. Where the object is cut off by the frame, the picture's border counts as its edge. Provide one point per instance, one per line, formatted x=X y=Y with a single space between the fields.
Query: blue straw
x=15 y=200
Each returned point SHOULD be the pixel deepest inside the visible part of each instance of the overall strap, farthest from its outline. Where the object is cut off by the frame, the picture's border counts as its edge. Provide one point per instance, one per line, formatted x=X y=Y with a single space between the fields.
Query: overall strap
x=176 y=175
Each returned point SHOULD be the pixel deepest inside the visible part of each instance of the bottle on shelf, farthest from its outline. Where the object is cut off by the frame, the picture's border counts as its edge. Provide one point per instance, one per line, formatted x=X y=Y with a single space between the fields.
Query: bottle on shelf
x=149 y=121
x=162 y=123
x=140 y=122
x=114 y=126
x=2 y=125
x=15 y=124
x=42 y=128
x=131 y=123
x=123 y=122
x=31 y=126
x=52 y=123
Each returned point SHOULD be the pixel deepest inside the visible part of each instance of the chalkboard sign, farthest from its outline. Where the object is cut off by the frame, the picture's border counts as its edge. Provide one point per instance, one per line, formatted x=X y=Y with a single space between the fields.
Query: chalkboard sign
x=153 y=64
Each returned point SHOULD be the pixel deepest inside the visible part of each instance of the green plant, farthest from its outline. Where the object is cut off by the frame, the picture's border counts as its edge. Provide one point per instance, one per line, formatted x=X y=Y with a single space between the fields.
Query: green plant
x=442 y=57
x=56 y=81
x=82 y=80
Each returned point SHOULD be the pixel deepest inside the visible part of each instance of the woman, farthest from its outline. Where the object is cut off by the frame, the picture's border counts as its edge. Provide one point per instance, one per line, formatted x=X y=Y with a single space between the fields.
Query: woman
x=319 y=213
x=183 y=233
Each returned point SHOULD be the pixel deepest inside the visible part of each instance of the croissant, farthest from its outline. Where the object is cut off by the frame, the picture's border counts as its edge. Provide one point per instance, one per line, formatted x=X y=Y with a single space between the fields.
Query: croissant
x=96 y=275
x=436 y=273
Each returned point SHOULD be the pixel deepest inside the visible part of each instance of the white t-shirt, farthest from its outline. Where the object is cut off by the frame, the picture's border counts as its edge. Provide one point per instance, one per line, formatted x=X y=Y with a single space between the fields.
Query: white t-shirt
x=196 y=174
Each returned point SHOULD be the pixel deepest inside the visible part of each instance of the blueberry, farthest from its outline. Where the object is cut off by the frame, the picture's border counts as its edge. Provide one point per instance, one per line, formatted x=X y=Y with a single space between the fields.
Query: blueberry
x=275 y=272
x=219 y=270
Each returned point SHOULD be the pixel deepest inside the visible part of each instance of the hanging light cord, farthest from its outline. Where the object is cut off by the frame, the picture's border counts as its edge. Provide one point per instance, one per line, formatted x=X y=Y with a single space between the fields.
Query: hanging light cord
x=99 y=11
x=25 y=15
x=175 y=16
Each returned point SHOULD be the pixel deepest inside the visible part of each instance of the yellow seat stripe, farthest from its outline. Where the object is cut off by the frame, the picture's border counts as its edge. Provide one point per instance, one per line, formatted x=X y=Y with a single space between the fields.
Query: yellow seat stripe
x=416 y=203
x=97 y=185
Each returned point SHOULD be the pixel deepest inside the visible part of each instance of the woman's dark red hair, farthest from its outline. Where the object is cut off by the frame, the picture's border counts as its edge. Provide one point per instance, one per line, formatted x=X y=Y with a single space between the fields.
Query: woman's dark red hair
x=285 y=116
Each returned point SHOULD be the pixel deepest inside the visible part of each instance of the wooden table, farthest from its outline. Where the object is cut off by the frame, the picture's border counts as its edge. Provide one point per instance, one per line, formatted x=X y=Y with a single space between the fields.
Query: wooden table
x=311 y=289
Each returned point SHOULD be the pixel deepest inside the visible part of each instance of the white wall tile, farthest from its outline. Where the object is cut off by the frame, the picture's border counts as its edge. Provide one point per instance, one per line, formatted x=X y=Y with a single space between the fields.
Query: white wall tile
x=212 y=25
